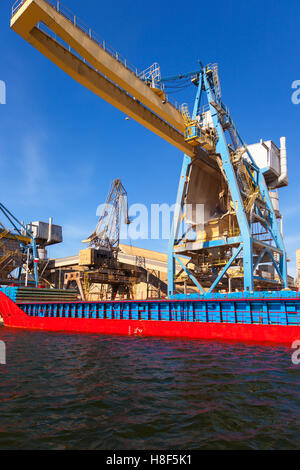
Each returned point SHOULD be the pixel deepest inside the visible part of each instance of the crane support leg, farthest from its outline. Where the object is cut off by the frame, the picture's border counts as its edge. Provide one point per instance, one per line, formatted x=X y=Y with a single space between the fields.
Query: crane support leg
x=241 y=232
x=177 y=219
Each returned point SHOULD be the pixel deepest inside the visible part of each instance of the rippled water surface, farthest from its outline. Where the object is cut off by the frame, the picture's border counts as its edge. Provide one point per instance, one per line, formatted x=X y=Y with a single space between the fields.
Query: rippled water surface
x=74 y=391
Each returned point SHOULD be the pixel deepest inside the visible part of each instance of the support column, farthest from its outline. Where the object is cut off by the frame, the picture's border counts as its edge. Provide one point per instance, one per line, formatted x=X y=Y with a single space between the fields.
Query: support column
x=177 y=222
x=248 y=264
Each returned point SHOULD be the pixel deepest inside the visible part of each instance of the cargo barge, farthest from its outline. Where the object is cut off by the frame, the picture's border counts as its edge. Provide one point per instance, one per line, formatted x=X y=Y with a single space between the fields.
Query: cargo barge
x=257 y=316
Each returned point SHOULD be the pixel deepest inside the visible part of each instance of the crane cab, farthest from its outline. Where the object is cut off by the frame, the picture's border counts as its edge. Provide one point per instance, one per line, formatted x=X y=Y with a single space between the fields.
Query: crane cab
x=195 y=135
x=192 y=134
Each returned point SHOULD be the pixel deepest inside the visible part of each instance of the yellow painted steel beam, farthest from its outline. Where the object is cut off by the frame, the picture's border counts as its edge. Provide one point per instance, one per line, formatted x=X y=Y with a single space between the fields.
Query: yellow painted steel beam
x=107 y=90
x=34 y=11
x=10 y=236
x=24 y=23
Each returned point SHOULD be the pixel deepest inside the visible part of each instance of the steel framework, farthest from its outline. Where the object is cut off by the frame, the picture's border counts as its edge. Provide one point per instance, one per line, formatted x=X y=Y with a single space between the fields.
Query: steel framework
x=26 y=256
x=107 y=232
x=256 y=236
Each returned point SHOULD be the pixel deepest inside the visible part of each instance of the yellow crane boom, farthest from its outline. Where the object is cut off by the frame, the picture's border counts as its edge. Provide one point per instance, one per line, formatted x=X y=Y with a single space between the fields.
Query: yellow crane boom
x=96 y=68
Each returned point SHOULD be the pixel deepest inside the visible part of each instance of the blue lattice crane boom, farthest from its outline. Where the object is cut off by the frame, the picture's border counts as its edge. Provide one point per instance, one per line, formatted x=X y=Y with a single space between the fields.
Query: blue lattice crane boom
x=24 y=256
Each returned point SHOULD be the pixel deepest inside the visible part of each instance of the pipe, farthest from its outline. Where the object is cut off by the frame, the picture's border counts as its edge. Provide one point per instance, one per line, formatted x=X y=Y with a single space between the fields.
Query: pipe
x=268 y=151
x=283 y=178
x=49 y=231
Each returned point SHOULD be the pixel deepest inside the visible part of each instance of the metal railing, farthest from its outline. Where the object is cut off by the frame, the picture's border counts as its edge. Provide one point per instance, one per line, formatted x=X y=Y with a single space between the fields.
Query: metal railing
x=64 y=11
x=147 y=311
x=16 y=6
x=151 y=73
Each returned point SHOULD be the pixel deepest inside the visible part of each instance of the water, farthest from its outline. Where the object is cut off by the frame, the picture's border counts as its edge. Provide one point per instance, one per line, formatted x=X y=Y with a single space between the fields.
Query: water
x=75 y=391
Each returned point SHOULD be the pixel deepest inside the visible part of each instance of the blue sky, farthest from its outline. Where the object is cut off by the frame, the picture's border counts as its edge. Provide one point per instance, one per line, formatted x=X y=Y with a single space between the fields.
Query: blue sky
x=61 y=145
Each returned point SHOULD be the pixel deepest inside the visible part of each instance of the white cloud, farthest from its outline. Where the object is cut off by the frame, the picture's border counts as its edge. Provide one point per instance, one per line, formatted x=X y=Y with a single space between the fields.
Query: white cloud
x=290 y=211
x=33 y=166
x=75 y=232
x=292 y=239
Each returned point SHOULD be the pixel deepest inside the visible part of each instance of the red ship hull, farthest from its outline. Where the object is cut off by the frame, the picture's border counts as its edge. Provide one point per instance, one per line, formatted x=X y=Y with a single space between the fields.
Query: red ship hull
x=14 y=317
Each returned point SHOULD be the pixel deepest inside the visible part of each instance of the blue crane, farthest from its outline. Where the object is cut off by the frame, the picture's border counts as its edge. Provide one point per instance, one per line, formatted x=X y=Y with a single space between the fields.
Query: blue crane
x=27 y=257
x=252 y=233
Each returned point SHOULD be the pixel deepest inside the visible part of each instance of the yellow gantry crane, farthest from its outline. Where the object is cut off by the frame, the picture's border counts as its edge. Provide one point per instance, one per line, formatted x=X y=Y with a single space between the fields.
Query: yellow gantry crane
x=75 y=48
